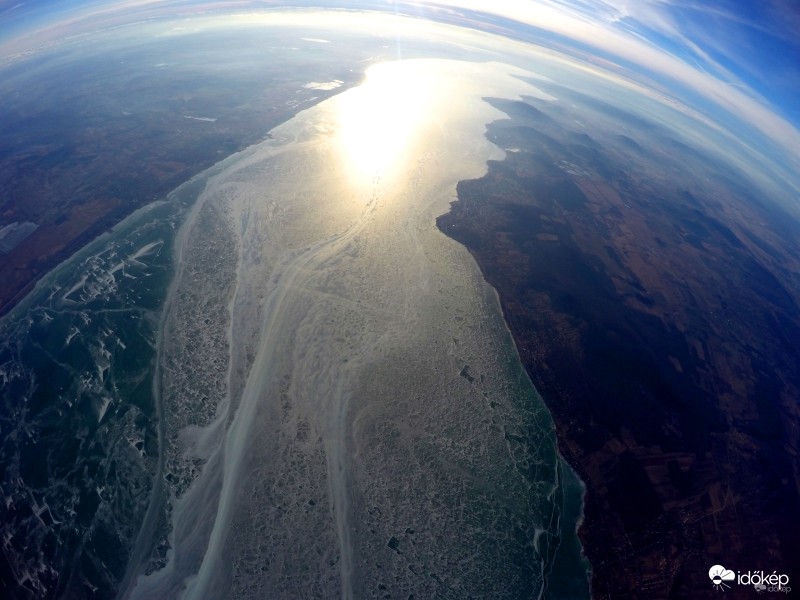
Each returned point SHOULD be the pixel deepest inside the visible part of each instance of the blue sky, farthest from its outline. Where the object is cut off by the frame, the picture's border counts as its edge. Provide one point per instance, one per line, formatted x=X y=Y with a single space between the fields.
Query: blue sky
x=743 y=57
x=755 y=43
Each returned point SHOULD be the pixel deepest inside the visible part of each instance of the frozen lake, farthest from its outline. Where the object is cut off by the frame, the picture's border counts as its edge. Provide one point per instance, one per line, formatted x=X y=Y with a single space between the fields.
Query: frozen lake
x=284 y=381
x=343 y=409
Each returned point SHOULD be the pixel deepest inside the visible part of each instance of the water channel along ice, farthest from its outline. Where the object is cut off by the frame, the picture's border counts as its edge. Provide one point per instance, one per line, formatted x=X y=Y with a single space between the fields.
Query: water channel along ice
x=343 y=412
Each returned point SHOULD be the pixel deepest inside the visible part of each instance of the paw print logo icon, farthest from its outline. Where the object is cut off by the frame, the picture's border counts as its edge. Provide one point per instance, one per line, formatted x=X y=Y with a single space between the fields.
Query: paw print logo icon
x=719 y=575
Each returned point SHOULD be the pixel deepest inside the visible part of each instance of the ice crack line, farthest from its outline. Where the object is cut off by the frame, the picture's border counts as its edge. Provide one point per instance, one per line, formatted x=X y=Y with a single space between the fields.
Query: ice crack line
x=294 y=277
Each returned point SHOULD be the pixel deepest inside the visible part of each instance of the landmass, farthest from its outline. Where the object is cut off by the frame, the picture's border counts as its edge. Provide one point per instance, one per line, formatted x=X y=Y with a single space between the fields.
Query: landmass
x=653 y=298
x=83 y=144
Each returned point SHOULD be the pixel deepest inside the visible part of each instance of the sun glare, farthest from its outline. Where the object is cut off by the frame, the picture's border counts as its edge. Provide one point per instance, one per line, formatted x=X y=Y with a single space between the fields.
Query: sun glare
x=379 y=119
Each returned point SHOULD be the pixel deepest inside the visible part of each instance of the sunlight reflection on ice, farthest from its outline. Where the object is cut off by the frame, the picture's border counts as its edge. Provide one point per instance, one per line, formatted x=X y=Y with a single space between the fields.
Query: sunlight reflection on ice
x=381 y=117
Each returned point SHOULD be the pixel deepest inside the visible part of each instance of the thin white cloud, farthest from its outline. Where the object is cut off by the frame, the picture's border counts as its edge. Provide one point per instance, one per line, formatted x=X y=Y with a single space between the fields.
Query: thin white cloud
x=618 y=28
x=602 y=30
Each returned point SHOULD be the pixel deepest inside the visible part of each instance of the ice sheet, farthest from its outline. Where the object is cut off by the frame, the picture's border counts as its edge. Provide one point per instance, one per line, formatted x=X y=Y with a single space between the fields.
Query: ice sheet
x=322 y=437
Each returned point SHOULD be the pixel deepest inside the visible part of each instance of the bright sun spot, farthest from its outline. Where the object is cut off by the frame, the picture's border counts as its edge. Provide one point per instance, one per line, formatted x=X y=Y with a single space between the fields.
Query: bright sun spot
x=380 y=118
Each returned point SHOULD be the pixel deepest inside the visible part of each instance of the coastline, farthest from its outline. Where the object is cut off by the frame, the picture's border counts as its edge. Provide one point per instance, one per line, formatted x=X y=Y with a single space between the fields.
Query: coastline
x=648 y=411
x=572 y=548
x=588 y=551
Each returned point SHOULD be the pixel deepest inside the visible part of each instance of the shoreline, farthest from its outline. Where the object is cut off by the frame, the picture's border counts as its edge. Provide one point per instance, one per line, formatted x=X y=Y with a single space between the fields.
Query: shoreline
x=561 y=457
x=616 y=320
